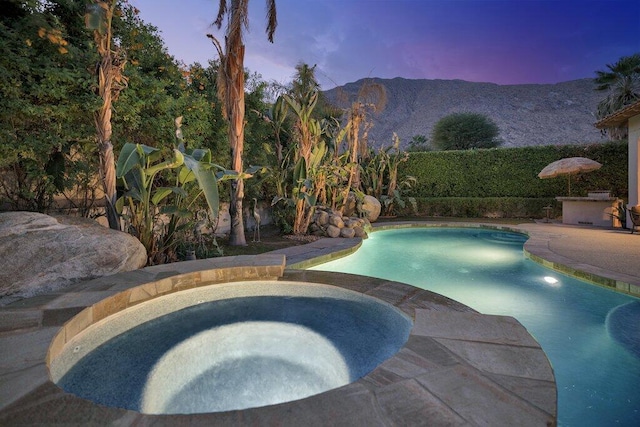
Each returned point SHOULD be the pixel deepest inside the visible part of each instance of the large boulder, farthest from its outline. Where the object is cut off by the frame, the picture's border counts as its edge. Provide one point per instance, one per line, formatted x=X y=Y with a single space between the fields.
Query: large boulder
x=372 y=207
x=41 y=253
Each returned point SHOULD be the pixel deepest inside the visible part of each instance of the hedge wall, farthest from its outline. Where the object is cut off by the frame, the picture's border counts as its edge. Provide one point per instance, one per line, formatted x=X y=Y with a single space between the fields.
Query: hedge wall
x=513 y=172
x=489 y=207
x=504 y=181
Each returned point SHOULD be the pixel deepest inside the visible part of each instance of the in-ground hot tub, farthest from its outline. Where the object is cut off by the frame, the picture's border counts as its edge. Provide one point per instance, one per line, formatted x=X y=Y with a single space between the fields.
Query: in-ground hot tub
x=230 y=346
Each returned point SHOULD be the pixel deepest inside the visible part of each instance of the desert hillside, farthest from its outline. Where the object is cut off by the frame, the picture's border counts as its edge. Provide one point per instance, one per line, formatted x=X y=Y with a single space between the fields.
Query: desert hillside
x=532 y=114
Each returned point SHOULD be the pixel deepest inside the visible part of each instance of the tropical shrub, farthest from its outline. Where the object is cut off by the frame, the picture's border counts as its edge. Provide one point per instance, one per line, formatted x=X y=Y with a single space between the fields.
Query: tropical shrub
x=380 y=178
x=309 y=155
x=160 y=196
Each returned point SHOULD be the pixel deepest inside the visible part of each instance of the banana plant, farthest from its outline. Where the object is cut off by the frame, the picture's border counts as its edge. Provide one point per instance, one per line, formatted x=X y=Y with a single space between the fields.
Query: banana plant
x=136 y=168
x=394 y=186
x=144 y=202
x=309 y=179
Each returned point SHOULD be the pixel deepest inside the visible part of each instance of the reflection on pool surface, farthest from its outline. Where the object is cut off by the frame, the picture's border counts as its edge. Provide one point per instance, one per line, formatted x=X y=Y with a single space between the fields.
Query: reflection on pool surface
x=597 y=372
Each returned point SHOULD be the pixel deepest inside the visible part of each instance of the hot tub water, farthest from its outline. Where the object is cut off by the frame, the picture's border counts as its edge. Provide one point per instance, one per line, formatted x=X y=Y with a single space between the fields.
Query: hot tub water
x=231 y=346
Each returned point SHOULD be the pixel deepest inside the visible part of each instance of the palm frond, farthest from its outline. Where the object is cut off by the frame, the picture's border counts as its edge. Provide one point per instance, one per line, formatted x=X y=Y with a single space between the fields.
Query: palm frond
x=272 y=19
x=222 y=10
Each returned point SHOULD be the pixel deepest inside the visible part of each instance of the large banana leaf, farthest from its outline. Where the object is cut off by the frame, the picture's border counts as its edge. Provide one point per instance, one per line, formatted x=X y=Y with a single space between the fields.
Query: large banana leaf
x=206 y=181
x=201 y=155
x=185 y=175
x=300 y=171
x=162 y=192
x=177 y=161
x=132 y=155
x=174 y=210
x=317 y=155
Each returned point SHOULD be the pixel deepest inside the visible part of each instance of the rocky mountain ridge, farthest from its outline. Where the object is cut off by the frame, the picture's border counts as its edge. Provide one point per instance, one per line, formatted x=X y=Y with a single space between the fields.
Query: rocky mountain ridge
x=527 y=115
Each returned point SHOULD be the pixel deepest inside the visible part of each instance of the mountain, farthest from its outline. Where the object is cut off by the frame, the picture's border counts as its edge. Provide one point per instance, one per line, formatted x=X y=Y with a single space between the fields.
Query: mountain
x=531 y=114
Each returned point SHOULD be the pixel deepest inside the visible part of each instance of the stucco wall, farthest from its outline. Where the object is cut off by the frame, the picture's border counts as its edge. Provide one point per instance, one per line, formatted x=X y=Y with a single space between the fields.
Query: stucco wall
x=634 y=160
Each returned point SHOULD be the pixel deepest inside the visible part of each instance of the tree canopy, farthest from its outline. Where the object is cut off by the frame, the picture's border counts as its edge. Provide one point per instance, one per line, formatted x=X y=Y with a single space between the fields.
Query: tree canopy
x=464 y=131
x=48 y=98
x=46 y=102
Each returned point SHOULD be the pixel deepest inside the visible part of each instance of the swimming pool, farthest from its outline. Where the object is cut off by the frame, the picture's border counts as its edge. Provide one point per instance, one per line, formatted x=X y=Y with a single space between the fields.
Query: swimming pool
x=586 y=331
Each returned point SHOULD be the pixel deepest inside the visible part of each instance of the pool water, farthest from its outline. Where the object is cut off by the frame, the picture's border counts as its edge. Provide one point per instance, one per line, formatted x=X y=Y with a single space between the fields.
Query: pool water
x=231 y=346
x=590 y=334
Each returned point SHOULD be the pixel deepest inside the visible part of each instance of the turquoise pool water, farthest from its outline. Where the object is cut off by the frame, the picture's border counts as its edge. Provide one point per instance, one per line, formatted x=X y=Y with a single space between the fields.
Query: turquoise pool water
x=590 y=334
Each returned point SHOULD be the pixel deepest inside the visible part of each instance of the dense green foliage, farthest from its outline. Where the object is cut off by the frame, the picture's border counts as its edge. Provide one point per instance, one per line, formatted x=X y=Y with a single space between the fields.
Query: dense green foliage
x=48 y=136
x=464 y=131
x=156 y=187
x=511 y=173
x=487 y=207
x=44 y=54
x=48 y=98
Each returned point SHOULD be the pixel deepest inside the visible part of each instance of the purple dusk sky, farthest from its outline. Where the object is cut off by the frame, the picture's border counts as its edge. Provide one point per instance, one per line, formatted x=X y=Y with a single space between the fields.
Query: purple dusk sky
x=504 y=42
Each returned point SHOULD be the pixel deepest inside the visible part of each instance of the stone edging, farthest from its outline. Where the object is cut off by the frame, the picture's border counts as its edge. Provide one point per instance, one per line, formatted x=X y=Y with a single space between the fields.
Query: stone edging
x=267 y=268
x=537 y=250
x=447 y=350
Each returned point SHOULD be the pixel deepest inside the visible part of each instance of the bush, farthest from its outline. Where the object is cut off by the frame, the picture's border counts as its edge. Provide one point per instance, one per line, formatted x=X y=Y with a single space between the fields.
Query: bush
x=464 y=131
x=513 y=172
x=488 y=207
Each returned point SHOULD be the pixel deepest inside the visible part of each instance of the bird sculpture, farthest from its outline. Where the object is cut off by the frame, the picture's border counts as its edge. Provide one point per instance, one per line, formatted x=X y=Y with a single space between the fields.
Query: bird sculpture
x=200 y=226
x=256 y=218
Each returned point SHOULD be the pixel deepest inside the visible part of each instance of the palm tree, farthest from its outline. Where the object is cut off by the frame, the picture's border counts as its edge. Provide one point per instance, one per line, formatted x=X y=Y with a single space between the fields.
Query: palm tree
x=622 y=82
x=304 y=81
x=230 y=82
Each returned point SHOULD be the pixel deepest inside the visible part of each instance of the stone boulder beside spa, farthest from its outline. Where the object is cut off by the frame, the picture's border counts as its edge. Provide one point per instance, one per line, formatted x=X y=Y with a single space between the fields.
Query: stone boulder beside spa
x=41 y=253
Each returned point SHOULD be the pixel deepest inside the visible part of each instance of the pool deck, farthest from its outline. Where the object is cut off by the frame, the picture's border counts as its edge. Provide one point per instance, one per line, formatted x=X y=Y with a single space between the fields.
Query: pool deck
x=459 y=367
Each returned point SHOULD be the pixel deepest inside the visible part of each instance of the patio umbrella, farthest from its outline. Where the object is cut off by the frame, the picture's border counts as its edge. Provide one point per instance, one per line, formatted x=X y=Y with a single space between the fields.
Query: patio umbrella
x=569 y=166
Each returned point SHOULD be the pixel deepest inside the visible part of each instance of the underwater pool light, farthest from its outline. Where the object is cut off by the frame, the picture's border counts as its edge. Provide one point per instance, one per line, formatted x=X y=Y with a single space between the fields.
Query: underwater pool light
x=552 y=281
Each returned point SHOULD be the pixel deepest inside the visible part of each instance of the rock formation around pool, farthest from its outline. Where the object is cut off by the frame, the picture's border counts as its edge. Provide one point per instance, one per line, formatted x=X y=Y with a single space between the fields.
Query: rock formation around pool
x=41 y=253
x=329 y=223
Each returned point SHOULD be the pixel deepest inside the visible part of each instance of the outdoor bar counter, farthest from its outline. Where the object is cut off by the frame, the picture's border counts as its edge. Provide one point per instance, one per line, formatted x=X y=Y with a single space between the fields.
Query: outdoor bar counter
x=595 y=209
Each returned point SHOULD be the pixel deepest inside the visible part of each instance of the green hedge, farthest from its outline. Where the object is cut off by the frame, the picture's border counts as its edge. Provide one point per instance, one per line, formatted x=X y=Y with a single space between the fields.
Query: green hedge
x=513 y=172
x=488 y=207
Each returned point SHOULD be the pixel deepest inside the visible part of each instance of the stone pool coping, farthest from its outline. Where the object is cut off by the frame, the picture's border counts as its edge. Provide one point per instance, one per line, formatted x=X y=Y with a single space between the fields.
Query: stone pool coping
x=458 y=367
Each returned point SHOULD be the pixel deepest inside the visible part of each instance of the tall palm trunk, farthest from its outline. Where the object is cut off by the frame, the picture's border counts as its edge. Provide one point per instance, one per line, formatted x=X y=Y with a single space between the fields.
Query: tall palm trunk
x=234 y=72
x=231 y=93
